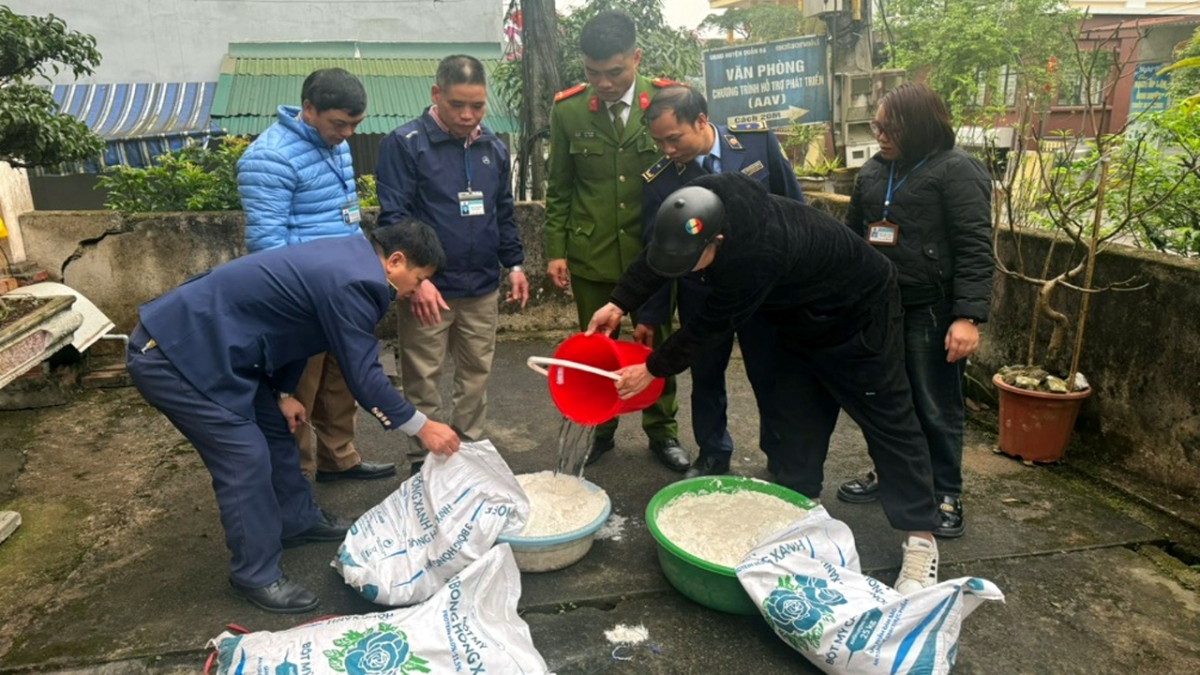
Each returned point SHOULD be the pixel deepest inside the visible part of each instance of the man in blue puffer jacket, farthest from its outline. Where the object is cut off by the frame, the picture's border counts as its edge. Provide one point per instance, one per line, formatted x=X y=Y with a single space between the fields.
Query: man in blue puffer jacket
x=296 y=181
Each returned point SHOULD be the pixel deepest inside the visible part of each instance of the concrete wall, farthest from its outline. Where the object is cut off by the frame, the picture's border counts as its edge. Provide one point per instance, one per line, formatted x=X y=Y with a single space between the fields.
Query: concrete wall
x=1141 y=354
x=184 y=40
x=121 y=261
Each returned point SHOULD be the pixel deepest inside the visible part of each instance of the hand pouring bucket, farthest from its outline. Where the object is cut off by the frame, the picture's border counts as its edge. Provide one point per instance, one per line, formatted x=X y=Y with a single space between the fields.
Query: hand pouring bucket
x=581 y=377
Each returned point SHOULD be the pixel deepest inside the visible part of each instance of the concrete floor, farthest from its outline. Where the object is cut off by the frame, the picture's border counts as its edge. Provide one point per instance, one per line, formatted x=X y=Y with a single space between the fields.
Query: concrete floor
x=120 y=566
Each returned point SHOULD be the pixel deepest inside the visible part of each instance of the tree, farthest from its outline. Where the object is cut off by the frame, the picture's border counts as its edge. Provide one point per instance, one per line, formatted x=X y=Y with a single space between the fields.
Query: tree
x=964 y=45
x=32 y=131
x=765 y=23
x=1092 y=193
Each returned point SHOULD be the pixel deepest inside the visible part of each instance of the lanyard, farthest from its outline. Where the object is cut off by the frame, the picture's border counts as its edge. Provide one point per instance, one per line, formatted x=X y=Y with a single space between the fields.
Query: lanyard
x=330 y=162
x=467 y=160
x=887 y=201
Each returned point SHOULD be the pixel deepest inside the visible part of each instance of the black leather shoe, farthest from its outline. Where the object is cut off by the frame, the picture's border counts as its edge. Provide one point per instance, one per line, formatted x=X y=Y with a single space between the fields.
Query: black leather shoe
x=950 y=518
x=599 y=447
x=328 y=528
x=860 y=490
x=708 y=465
x=282 y=597
x=360 y=471
x=671 y=454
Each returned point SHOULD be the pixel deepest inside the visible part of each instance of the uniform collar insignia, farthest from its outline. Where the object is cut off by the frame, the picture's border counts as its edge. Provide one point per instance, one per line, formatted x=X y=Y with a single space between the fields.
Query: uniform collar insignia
x=657 y=168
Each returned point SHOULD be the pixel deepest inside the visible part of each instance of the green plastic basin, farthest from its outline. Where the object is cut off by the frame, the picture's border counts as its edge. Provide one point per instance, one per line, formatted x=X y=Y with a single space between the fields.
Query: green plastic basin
x=709 y=584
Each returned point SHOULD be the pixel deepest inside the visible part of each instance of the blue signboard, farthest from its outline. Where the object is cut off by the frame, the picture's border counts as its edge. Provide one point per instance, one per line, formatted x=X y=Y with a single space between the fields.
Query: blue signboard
x=773 y=82
x=1149 y=89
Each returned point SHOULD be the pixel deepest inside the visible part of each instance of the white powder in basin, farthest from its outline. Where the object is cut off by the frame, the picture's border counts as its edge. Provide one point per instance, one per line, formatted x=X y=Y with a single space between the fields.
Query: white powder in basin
x=558 y=503
x=722 y=528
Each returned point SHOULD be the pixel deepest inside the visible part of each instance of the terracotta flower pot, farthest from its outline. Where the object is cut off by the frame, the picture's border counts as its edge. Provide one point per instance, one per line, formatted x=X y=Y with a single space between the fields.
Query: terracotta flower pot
x=1036 y=426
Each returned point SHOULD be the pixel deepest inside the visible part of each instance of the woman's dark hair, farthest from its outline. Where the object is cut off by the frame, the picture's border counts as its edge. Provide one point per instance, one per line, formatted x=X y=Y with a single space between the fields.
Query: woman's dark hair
x=686 y=103
x=917 y=121
x=334 y=89
x=607 y=34
x=416 y=240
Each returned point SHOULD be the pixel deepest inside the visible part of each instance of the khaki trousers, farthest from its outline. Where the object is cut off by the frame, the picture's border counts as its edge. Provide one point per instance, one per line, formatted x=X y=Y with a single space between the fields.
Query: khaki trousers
x=468 y=331
x=332 y=410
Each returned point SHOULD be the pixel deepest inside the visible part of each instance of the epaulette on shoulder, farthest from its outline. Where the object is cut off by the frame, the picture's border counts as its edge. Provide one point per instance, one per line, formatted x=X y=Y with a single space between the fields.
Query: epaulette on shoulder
x=749 y=126
x=652 y=173
x=661 y=82
x=568 y=93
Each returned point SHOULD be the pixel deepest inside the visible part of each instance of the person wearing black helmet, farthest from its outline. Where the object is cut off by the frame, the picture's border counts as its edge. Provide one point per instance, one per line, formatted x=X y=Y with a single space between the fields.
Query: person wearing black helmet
x=836 y=305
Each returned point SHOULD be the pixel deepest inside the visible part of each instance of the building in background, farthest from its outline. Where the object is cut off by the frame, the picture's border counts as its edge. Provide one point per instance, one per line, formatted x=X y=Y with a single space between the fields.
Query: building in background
x=179 y=71
x=186 y=40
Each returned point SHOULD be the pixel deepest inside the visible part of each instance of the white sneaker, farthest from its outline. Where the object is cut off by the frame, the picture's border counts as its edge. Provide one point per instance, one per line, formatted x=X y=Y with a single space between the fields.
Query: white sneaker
x=920 y=566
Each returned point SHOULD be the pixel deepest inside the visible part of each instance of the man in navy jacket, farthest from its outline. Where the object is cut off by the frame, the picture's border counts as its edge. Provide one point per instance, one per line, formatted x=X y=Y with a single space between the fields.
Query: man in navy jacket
x=678 y=122
x=221 y=355
x=452 y=172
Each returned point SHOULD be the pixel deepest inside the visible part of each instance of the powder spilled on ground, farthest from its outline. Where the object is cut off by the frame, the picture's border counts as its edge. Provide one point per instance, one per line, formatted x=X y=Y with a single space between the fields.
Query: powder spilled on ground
x=627 y=635
x=613 y=528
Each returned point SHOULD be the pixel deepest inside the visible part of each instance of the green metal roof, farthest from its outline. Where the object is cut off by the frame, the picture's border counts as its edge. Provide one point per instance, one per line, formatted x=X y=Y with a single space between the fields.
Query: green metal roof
x=251 y=88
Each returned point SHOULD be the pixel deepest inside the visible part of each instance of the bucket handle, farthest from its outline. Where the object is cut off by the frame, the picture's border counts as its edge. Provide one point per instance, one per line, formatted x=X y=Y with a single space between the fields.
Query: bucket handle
x=536 y=363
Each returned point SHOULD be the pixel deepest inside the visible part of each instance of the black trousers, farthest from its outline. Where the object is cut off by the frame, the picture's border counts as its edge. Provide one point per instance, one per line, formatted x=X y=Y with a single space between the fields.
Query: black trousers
x=710 y=420
x=865 y=376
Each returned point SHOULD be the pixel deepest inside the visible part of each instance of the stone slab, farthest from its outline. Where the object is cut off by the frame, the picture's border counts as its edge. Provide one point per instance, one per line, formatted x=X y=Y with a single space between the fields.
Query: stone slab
x=9 y=522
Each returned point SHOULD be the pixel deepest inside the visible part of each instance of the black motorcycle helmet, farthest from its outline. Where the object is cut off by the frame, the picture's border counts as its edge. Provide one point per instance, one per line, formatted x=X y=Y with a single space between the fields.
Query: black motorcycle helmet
x=687 y=222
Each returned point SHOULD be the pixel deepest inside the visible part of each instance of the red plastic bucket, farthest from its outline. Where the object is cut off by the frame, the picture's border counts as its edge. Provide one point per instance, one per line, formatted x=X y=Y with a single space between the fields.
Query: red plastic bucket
x=590 y=398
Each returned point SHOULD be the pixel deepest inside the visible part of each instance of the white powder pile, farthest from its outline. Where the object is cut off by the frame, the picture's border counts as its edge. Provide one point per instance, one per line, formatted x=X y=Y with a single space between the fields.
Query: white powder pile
x=722 y=528
x=558 y=503
x=627 y=635
x=613 y=528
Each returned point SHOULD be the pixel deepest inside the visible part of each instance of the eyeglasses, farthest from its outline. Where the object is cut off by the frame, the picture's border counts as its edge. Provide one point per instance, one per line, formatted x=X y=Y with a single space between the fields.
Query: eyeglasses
x=879 y=129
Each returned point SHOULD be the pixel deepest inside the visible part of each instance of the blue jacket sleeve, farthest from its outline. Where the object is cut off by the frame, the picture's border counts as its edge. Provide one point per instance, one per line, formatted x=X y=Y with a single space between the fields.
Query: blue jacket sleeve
x=511 y=251
x=348 y=319
x=395 y=180
x=783 y=177
x=657 y=310
x=266 y=184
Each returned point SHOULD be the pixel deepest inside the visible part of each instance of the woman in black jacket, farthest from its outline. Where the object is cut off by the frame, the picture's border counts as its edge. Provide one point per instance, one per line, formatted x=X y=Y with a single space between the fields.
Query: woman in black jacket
x=927 y=207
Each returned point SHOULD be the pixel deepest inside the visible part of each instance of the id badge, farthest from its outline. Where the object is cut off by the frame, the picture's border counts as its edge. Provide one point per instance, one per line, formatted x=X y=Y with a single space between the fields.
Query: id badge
x=351 y=215
x=882 y=233
x=470 y=204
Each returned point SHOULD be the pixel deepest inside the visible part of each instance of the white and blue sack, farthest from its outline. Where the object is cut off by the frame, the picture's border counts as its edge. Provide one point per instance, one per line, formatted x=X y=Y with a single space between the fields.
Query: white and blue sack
x=436 y=524
x=807 y=583
x=469 y=626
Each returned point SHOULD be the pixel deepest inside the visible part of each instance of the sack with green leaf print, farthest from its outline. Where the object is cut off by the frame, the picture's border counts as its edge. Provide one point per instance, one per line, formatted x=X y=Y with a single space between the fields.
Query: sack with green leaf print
x=807 y=584
x=469 y=626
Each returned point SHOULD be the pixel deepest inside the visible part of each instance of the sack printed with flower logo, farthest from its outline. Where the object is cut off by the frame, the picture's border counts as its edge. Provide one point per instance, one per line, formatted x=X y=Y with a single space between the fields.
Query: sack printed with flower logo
x=403 y=550
x=807 y=583
x=469 y=626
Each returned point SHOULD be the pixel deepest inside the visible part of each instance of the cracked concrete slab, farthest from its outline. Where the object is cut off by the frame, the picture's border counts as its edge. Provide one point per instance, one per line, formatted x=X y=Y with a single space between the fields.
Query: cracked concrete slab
x=121 y=554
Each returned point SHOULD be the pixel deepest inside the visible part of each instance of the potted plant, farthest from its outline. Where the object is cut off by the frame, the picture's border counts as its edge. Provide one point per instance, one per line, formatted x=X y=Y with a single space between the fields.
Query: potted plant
x=1089 y=192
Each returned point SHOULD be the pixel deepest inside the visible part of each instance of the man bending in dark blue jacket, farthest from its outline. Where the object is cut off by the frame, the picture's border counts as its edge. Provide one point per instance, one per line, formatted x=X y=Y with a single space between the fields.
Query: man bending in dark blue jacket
x=221 y=355
x=449 y=170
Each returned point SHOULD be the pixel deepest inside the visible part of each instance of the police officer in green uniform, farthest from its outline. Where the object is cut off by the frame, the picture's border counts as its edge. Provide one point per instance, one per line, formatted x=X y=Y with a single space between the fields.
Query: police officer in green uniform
x=599 y=148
